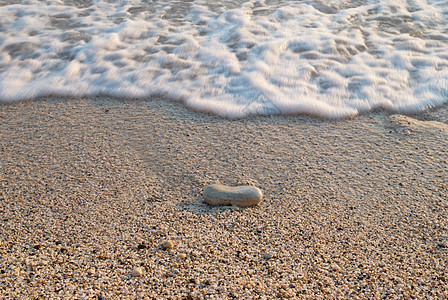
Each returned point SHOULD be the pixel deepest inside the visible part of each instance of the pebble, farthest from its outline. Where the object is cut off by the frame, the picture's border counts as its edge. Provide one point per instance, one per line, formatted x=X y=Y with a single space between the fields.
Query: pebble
x=268 y=256
x=242 y=196
x=137 y=272
x=182 y=255
x=142 y=246
x=167 y=245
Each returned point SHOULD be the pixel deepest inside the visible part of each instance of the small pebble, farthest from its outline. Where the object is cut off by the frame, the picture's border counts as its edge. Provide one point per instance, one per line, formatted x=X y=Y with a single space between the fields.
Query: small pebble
x=242 y=196
x=167 y=245
x=207 y=282
x=137 y=272
x=142 y=246
x=268 y=256
x=182 y=255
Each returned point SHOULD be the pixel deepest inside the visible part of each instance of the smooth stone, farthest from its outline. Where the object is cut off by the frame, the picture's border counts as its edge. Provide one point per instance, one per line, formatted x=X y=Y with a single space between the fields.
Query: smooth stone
x=242 y=196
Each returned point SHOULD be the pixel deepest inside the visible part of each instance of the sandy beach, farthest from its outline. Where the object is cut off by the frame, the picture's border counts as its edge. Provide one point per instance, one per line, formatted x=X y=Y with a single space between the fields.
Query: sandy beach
x=91 y=188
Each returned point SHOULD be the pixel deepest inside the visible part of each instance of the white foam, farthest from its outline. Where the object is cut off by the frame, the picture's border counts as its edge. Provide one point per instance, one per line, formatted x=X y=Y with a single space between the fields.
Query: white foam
x=330 y=58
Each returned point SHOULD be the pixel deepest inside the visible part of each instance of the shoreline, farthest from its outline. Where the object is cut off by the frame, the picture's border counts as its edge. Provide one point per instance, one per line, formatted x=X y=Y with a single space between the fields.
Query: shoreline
x=91 y=188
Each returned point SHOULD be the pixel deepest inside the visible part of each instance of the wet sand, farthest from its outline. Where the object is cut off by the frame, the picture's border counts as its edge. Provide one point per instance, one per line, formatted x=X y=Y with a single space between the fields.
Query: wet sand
x=91 y=188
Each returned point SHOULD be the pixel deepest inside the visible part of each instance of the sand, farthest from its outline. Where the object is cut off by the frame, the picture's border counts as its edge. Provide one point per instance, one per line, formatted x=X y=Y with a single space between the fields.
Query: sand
x=90 y=189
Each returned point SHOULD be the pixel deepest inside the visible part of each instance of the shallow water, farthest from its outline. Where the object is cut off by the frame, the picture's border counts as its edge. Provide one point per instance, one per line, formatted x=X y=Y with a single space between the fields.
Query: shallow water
x=233 y=58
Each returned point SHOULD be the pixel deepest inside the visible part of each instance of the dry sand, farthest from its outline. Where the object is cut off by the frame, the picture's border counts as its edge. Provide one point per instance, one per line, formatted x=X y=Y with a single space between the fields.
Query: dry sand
x=90 y=189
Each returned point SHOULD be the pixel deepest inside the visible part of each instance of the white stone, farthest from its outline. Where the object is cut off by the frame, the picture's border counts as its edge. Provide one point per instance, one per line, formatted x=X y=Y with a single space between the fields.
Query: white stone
x=242 y=196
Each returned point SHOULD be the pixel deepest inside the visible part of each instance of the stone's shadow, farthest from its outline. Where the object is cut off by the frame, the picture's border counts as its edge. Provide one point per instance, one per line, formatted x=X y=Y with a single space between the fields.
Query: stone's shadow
x=198 y=206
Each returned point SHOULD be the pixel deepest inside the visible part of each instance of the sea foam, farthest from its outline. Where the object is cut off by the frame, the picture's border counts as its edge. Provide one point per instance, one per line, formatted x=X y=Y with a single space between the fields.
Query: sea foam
x=329 y=58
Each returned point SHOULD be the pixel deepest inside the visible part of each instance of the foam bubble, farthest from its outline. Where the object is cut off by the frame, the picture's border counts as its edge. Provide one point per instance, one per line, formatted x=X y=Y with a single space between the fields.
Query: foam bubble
x=330 y=58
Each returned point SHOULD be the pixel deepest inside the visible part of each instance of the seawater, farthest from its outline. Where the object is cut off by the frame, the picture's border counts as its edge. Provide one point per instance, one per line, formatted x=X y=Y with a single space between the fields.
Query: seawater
x=329 y=58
